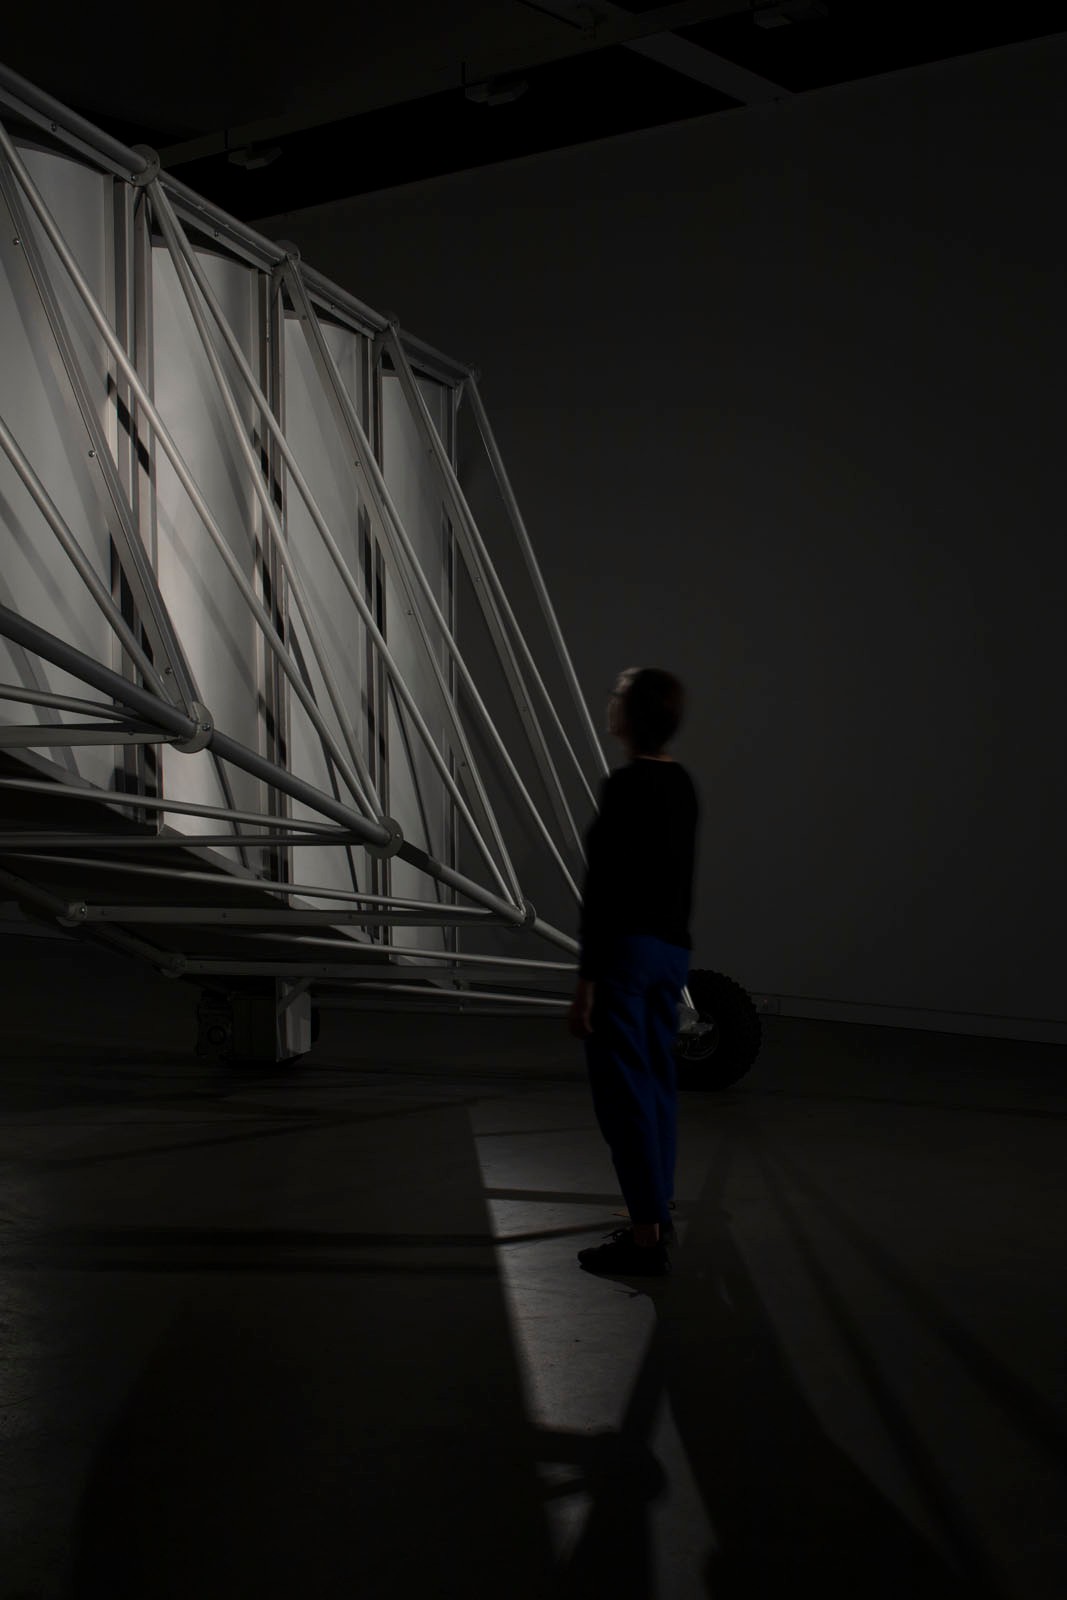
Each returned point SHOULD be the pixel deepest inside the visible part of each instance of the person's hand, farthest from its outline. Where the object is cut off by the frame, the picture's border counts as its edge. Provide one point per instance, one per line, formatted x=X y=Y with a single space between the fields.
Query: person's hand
x=580 y=1016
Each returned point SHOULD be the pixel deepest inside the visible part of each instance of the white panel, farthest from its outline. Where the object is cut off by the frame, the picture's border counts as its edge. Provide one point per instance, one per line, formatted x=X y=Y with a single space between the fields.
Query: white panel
x=36 y=401
x=417 y=795
x=327 y=464
x=213 y=621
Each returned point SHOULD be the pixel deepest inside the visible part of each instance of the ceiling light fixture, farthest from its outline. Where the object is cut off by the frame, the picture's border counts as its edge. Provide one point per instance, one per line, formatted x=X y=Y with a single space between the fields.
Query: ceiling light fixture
x=254 y=156
x=496 y=91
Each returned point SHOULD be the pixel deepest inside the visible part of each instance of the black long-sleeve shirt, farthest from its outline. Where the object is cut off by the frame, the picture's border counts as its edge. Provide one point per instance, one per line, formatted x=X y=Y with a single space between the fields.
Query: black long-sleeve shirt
x=641 y=848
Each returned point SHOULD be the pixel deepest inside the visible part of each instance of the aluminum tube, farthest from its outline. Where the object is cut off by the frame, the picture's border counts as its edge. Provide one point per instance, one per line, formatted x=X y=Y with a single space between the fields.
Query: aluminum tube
x=455 y=880
x=155 y=619
x=463 y=751
x=51 y=904
x=58 y=702
x=495 y=597
x=434 y=362
x=16 y=842
x=388 y=513
x=546 y=931
x=360 y=951
x=167 y=716
x=526 y=546
x=335 y=553
x=353 y=589
x=282 y=916
x=393 y=529
x=150 y=802
x=48 y=509
x=67 y=735
x=351 y=956
x=348 y=421
x=172 y=235
x=464 y=915
x=266 y=253
x=458 y=997
x=253 y=247
x=467 y=914
x=512 y=887
x=404 y=733
x=27 y=94
x=491 y=597
x=182 y=251
x=63 y=655
x=435 y=918
x=178 y=462
x=335 y=971
x=404 y=953
x=167 y=653
x=22 y=94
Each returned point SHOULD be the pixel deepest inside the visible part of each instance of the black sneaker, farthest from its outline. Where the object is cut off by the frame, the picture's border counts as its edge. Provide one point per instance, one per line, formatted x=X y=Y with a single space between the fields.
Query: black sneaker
x=623 y=1258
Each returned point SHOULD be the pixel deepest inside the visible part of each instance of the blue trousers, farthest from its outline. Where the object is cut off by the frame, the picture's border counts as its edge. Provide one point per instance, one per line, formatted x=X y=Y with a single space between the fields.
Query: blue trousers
x=632 y=1074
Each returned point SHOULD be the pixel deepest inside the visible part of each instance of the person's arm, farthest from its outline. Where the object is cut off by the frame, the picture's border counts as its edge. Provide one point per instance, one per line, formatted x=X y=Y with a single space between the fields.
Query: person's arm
x=580 y=1016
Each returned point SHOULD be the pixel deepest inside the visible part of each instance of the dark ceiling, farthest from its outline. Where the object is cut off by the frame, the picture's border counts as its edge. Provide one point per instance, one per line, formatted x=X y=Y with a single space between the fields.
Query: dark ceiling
x=268 y=109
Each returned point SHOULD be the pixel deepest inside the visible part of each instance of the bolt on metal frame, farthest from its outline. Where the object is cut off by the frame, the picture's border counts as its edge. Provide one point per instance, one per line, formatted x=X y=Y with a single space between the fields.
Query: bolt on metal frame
x=156 y=699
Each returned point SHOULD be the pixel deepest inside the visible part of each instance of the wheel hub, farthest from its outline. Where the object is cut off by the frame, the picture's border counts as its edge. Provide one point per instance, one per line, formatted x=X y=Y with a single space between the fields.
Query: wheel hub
x=699 y=1039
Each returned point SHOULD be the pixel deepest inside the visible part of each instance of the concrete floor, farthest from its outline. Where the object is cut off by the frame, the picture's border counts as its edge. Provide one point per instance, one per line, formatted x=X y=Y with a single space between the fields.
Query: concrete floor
x=320 y=1332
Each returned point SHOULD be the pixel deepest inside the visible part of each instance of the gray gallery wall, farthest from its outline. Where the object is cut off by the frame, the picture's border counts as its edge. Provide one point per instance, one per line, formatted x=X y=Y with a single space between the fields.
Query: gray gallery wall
x=781 y=393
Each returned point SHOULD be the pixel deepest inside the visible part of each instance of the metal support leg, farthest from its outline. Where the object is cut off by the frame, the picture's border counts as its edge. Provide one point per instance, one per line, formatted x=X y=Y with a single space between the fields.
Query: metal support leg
x=270 y=1024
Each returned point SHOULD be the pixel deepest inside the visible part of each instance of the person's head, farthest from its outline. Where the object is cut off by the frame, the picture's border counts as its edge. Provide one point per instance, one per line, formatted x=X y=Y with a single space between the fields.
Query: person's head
x=645 y=710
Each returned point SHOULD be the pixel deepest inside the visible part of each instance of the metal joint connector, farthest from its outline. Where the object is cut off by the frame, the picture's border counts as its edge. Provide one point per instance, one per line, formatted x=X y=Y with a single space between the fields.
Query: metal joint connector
x=382 y=852
x=141 y=180
x=205 y=727
x=74 y=915
x=526 y=920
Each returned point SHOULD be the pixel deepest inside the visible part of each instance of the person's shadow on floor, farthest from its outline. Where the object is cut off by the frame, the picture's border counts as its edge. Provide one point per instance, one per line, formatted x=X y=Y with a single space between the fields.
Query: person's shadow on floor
x=789 y=1510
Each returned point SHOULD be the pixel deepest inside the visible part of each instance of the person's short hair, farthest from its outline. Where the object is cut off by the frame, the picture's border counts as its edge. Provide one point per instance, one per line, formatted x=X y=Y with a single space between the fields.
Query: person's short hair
x=652 y=702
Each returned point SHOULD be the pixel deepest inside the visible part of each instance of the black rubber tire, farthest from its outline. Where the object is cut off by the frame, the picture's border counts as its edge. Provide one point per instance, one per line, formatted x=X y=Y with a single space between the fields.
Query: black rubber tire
x=727 y=1056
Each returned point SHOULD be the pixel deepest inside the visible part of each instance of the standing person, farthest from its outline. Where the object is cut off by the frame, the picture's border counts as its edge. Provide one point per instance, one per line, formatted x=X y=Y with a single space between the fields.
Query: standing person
x=635 y=945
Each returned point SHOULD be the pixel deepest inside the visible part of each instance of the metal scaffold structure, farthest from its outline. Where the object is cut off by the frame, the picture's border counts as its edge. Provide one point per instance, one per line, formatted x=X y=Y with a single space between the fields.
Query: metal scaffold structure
x=274 y=717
